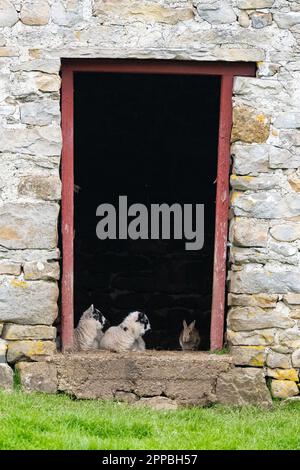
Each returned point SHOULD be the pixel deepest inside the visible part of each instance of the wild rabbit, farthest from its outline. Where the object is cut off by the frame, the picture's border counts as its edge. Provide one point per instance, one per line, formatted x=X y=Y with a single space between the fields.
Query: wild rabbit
x=189 y=338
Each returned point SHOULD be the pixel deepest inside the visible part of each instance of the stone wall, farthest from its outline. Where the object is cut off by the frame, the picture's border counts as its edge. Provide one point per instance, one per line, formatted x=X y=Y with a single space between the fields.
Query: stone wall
x=264 y=280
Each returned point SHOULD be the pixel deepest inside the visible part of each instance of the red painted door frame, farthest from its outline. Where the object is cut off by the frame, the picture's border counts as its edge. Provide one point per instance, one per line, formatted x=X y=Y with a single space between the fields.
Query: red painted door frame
x=227 y=71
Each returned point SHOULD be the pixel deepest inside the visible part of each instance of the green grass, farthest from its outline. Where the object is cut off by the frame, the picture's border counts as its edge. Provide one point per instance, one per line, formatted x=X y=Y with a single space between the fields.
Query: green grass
x=39 y=421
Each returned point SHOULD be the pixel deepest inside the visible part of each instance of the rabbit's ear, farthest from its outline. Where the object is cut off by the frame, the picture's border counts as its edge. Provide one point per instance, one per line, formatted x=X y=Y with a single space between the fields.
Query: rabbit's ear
x=184 y=324
x=192 y=325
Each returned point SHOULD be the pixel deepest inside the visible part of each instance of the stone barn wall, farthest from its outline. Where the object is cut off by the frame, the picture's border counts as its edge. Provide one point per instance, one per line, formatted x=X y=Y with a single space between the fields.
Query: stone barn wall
x=264 y=280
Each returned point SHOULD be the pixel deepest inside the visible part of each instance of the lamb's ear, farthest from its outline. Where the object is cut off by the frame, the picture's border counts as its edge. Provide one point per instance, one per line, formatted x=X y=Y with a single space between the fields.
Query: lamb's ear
x=184 y=324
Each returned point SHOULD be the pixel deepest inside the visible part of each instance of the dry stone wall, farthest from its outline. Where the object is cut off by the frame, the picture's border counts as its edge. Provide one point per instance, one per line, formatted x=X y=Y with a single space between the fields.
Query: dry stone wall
x=264 y=279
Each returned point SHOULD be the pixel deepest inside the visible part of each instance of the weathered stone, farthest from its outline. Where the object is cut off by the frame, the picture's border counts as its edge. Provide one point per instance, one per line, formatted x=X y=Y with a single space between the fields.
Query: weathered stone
x=283 y=374
x=151 y=11
x=255 y=300
x=28 y=225
x=38 y=65
x=9 y=52
x=48 y=83
x=250 y=232
x=40 y=113
x=288 y=121
x=254 y=4
x=296 y=358
x=277 y=360
x=290 y=338
x=243 y=386
x=158 y=403
x=37 y=377
x=283 y=388
x=287 y=232
x=249 y=125
x=187 y=378
x=284 y=249
x=294 y=182
x=266 y=204
x=254 y=183
x=266 y=69
x=261 y=20
x=286 y=20
x=239 y=255
x=126 y=397
x=40 y=187
x=35 y=270
x=1 y=328
x=250 y=158
x=295 y=312
x=35 y=13
x=8 y=14
x=9 y=267
x=45 y=140
x=64 y=17
x=25 y=302
x=6 y=377
x=256 y=318
x=244 y=19
x=251 y=338
x=291 y=298
x=249 y=355
x=14 y=332
x=35 y=350
x=283 y=158
x=258 y=280
x=221 y=15
x=3 y=350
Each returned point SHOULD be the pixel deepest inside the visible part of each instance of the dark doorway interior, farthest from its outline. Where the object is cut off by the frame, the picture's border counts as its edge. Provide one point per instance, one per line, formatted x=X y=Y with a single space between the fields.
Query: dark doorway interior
x=153 y=138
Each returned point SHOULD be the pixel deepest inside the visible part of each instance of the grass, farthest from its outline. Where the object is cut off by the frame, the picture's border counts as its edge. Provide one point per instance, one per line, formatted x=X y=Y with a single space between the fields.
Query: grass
x=39 y=421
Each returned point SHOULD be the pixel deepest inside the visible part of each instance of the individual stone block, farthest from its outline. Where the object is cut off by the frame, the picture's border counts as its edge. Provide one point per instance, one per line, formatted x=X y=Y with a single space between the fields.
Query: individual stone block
x=244 y=19
x=49 y=66
x=14 y=332
x=291 y=298
x=243 y=386
x=296 y=358
x=40 y=113
x=278 y=360
x=266 y=204
x=28 y=225
x=261 y=20
x=250 y=232
x=6 y=377
x=150 y=11
x=48 y=83
x=222 y=15
x=284 y=388
x=9 y=267
x=8 y=14
x=251 y=338
x=255 y=183
x=254 y=356
x=127 y=397
x=283 y=158
x=248 y=158
x=9 y=52
x=258 y=280
x=256 y=318
x=287 y=232
x=29 y=350
x=29 y=303
x=290 y=338
x=35 y=13
x=283 y=374
x=40 y=187
x=35 y=270
x=249 y=125
x=294 y=182
x=254 y=4
x=37 y=377
x=3 y=350
x=287 y=120
x=287 y=20
x=254 y=300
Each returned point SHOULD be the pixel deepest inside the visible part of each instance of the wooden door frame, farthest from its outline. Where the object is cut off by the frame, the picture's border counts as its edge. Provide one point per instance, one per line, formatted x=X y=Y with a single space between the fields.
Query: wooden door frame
x=227 y=71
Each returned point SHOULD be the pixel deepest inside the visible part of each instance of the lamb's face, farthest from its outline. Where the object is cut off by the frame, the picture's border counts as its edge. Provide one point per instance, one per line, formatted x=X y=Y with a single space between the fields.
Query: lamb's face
x=93 y=313
x=137 y=323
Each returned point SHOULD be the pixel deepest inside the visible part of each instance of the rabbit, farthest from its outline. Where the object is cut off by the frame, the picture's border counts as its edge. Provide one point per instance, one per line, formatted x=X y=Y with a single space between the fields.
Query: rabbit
x=189 y=338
